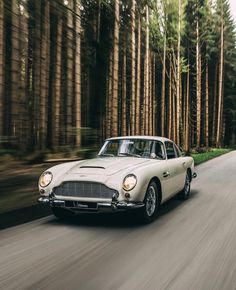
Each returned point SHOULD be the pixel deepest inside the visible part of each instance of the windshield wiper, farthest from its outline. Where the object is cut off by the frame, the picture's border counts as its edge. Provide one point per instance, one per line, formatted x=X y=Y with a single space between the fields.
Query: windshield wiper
x=129 y=154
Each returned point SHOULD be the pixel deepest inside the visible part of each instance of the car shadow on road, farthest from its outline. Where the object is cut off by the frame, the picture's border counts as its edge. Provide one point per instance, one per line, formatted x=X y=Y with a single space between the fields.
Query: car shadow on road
x=120 y=219
x=172 y=204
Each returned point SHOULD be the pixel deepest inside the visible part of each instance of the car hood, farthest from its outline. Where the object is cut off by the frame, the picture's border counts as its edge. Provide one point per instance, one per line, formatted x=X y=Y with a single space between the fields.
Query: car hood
x=106 y=166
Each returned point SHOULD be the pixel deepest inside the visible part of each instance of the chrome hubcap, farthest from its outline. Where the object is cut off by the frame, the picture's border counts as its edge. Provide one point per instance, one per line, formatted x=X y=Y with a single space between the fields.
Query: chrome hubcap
x=187 y=185
x=151 y=201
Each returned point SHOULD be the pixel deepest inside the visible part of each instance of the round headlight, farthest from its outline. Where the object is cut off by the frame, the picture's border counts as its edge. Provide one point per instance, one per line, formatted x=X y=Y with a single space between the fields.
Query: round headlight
x=129 y=182
x=45 y=179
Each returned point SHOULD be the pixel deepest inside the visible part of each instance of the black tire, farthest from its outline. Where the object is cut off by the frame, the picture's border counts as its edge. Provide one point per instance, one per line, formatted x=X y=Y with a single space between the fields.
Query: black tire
x=151 y=203
x=185 y=192
x=61 y=213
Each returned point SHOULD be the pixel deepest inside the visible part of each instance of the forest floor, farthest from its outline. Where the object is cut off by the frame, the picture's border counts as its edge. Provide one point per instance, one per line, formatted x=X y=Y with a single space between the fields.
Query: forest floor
x=18 y=184
x=19 y=189
x=18 y=192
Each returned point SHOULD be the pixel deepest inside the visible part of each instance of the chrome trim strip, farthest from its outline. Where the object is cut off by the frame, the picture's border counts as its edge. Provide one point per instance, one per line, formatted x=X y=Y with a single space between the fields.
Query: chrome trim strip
x=122 y=205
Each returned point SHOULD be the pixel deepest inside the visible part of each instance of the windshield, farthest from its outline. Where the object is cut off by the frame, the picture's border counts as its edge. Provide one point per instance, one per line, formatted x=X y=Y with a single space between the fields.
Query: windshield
x=133 y=147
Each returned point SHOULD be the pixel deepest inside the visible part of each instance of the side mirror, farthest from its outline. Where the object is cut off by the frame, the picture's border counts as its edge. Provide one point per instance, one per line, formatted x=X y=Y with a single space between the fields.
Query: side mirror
x=153 y=155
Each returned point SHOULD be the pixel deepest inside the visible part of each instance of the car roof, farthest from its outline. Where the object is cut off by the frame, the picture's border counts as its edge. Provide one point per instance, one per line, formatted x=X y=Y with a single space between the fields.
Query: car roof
x=158 y=138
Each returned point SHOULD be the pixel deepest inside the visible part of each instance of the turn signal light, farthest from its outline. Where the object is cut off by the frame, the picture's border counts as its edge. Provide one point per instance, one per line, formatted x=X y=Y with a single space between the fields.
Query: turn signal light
x=127 y=195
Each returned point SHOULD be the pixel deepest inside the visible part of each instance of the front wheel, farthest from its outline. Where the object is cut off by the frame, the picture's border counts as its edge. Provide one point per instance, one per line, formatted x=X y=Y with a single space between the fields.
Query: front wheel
x=151 y=203
x=185 y=192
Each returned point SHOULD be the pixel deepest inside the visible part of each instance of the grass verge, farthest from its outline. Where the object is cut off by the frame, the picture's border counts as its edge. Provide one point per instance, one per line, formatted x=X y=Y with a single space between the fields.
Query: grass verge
x=202 y=157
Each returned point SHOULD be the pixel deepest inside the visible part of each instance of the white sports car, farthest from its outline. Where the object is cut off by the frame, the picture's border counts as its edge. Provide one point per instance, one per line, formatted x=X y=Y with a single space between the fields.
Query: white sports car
x=134 y=172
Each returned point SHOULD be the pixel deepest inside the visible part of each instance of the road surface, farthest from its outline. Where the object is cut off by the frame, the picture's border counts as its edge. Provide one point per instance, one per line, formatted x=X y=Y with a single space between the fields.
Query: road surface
x=192 y=245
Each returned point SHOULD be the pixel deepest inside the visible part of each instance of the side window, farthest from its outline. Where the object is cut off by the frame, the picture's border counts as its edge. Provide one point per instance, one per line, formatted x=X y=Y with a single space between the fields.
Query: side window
x=158 y=149
x=170 y=150
x=112 y=148
x=178 y=154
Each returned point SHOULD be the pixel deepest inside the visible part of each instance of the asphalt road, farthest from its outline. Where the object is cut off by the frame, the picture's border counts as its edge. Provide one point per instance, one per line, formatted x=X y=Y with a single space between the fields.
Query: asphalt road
x=192 y=245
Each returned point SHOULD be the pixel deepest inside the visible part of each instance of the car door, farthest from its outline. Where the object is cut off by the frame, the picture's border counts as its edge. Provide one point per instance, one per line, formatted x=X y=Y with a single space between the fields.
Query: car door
x=176 y=168
x=158 y=153
x=181 y=167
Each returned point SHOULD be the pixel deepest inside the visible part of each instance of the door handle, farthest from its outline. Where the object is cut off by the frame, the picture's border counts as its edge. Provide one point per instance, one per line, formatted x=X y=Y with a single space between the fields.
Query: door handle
x=166 y=174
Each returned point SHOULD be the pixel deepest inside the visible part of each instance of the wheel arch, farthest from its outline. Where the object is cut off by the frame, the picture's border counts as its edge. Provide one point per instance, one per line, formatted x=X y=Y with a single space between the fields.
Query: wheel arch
x=189 y=170
x=158 y=183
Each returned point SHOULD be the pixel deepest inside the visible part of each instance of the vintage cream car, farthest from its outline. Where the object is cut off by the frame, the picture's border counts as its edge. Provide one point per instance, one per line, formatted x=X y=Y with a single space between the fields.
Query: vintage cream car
x=134 y=172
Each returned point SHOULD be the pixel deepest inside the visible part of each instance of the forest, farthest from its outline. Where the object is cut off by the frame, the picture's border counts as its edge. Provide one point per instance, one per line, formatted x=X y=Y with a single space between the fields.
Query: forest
x=74 y=72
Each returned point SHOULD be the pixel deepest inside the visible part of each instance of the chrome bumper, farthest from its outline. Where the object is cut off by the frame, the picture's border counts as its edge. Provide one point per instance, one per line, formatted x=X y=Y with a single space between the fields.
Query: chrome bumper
x=101 y=206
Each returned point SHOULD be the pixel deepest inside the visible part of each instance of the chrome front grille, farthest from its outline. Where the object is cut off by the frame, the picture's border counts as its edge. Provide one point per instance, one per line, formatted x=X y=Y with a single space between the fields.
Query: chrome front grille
x=84 y=189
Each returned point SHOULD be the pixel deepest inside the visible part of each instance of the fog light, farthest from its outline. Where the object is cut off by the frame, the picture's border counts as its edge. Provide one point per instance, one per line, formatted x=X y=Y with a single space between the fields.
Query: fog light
x=127 y=195
x=42 y=191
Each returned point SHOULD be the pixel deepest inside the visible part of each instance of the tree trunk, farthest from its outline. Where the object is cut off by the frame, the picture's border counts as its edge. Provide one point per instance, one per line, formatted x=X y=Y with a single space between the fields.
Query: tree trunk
x=137 y=106
x=1 y=67
x=180 y=112
x=207 y=107
x=23 y=89
x=153 y=113
x=222 y=117
x=170 y=105
x=15 y=121
x=198 y=86
x=146 y=75
x=220 y=92
x=36 y=76
x=109 y=97
x=186 y=147
x=78 y=73
x=174 y=118
x=214 y=111
x=56 y=95
x=163 y=88
x=150 y=102
x=124 y=95
x=98 y=19
x=133 y=47
x=44 y=73
x=70 y=71
x=114 y=116
x=178 y=76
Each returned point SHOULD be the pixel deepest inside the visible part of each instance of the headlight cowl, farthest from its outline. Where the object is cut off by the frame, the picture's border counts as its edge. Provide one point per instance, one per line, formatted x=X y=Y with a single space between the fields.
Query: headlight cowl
x=129 y=182
x=45 y=178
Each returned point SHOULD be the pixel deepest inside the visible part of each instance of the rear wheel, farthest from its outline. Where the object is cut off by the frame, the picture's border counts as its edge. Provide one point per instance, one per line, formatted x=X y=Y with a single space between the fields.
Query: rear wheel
x=151 y=203
x=184 y=194
x=61 y=213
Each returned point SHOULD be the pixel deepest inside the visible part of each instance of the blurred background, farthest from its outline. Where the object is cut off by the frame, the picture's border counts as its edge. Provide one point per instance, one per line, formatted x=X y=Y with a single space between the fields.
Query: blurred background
x=73 y=73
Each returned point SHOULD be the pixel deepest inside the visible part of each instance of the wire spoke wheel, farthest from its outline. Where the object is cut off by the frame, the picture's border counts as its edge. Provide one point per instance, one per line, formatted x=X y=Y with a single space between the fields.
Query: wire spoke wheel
x=184 y=194
x=187 y=186
x=151 y=201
